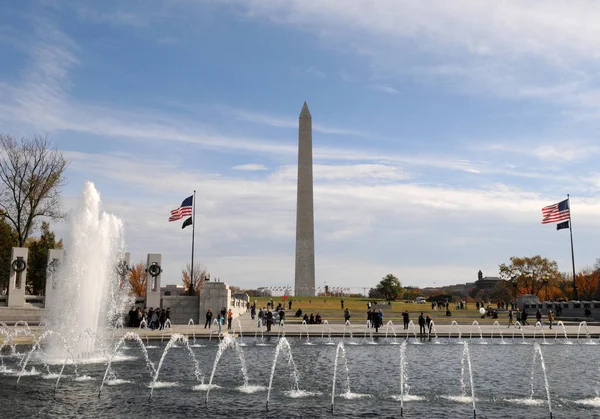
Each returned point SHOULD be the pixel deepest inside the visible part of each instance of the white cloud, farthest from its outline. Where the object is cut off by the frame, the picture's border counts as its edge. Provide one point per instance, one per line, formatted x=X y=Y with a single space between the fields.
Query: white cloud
x=250 y=167
x=559 y=150
x=386 y=89
x=545 y=50
x=316 y=72
x=362 y=172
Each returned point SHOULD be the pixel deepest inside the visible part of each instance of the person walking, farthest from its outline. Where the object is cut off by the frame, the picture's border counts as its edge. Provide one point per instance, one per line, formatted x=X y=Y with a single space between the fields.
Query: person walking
x=524 y=316
x=346 y=315
x=375 y=321
x=421 y=324
x=220 y=320
x=510 y=318
x=429 y=323
x=342 y=302
x=269 y=317
x=162 y=319
x=281 y=317
x=229 y=319
x=405 y=319
x=261 y=315
x=551 y=318
x=538 y=318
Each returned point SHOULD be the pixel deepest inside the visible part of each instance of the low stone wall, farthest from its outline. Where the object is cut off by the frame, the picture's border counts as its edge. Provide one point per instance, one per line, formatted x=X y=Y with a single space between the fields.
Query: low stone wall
x=183 y=308
x=569 y=309
x=31 y=315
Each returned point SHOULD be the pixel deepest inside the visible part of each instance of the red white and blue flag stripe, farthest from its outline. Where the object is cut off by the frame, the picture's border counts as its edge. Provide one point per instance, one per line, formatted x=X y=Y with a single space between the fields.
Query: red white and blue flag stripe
x=185 y=210
x=556 y=212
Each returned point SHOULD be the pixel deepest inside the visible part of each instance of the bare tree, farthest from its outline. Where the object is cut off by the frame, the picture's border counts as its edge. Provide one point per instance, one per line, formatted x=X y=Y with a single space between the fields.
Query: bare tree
x=31 y=175
x=200 y=275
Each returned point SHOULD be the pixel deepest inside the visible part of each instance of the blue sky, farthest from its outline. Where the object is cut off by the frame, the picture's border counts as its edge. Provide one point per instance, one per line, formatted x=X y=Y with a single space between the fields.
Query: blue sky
x=440 y=128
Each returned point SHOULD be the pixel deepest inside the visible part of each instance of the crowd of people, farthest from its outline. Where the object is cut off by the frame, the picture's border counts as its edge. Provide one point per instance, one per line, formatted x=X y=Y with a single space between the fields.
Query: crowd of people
x=520 y=317
x=267 y=316
x=153 y=318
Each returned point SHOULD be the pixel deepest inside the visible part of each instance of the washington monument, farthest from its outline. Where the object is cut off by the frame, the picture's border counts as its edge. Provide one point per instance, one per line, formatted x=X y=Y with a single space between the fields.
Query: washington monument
x=305 y=225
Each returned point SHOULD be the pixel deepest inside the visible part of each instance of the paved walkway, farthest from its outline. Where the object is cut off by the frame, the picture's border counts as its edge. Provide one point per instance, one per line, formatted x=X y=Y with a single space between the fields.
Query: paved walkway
x=339 y=329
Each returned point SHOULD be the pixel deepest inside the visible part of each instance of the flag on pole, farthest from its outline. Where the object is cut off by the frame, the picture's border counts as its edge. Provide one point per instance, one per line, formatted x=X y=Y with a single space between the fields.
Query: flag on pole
x=564 y=224
x=556 y=212
x=185 y=210
x=186 y=223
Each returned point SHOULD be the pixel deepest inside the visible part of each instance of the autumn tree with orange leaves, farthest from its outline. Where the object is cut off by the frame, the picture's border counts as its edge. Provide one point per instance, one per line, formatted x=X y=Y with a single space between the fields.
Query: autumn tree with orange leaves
x=532 y=274
x=588 y=282
x=137 y=279
x=200 y=274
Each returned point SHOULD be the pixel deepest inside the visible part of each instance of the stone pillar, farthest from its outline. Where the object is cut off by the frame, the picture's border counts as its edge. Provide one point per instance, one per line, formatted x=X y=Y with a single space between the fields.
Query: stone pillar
x=55 y=259
x=18 y=275
x=154 y=271
x=214 y=295
x=305 y=229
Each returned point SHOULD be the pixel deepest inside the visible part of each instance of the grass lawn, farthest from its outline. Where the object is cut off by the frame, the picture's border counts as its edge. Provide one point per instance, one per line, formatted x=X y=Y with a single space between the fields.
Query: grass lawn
x=331 y=310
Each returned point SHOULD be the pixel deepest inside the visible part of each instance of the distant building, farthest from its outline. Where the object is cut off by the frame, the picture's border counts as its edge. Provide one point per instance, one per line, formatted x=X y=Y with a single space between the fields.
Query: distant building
x=487 y=283
x=173 y=290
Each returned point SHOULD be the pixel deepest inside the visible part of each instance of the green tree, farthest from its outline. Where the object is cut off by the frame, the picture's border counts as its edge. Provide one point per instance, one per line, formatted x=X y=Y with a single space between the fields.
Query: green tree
x=390 y=287
x=38 y=259
x=8 y=240
x=375 y=293
x=531 y=273
x=31 y=175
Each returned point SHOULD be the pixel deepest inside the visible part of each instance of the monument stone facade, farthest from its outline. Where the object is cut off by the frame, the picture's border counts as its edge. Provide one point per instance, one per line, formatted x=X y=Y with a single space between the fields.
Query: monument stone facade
x=305 y=228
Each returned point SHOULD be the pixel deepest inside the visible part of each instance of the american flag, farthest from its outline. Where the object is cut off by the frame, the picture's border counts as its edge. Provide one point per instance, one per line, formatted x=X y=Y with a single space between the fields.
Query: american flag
x=557 y=212
x=185 y=210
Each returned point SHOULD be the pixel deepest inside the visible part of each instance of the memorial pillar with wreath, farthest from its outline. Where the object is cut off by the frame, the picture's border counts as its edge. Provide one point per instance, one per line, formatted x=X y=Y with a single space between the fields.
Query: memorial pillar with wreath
x=18 y=276
x=154 y=271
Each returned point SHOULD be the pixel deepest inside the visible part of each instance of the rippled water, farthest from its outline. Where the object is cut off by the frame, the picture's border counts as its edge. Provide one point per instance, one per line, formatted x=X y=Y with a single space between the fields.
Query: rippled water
x=501 y=377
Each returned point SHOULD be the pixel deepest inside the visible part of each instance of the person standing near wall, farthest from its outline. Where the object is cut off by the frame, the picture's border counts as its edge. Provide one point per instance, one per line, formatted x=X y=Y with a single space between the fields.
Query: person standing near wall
x=209 y=316
x=229 y=319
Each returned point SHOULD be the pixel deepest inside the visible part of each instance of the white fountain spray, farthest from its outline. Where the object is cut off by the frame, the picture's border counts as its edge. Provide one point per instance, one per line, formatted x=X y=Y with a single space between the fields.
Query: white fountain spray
x=327 y=326
x=227 y=343
x=340 y=349
x=455 y=325
x=584 y=325
x=561 y=324
x=347 y=326
x=176 y=338
x=87 y=295
x=283 y=344
x=129 y=336
x=537 y=350
x=403 y=376
x=467 y=357
x=476 y=324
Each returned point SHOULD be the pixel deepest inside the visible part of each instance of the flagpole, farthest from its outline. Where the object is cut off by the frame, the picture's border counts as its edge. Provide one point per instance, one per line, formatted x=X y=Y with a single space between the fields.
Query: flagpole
x=191 y=290
x=575 y=292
